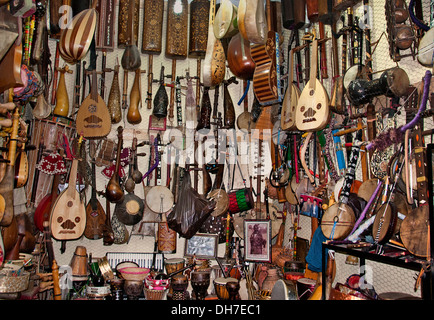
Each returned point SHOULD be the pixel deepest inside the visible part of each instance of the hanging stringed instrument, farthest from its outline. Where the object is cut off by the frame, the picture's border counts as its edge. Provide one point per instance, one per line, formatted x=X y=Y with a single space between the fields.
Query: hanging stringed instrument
x=62 y=99
x=133 y=114
x=414 y=230
x=7 y=183
x=21 y=159
x=95 y=215
x=266 y=78
x=252 y=20
x=290 y=100
x=338 y=220
x=313 y=113
x=75 y=40
x=68 y=214
x=114 y=191
x=239 y=58
x=42 y=212
x=93 y=119
x=114 y=98
x=214 y=68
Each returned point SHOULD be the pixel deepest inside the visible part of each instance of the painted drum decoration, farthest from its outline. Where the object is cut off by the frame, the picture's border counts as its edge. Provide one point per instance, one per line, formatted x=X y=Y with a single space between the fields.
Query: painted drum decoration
x=240 y=200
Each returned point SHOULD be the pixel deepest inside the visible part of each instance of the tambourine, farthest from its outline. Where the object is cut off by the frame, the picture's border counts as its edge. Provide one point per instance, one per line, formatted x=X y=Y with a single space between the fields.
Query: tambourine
x=393 y=82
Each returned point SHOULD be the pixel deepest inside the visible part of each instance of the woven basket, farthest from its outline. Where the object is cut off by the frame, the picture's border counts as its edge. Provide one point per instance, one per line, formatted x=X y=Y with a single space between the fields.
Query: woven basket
x=11 y=284
x=134 y=273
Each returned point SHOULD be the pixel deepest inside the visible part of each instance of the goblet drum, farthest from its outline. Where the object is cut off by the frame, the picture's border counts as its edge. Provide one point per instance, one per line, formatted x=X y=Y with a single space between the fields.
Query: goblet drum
x=200 y=281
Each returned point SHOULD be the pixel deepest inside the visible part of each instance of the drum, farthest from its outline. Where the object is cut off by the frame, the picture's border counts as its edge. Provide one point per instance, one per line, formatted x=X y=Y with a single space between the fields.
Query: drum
x=353 y=73
x=179 y=282
x=222 y=202
x=98 y=293
x=152 y=294
x=284 y=290
x=220 y=287
x=393 y=82
x=174 y=264
x=200 y=281
x=160 y=199
x=305 y=287
x=50 y=133
x=240 y=200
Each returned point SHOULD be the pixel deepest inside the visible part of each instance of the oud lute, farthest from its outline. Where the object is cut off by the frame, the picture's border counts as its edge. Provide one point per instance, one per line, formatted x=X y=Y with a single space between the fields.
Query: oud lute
x=312 y=112
x=93 y=117
x=68 y=214
x=214 y=68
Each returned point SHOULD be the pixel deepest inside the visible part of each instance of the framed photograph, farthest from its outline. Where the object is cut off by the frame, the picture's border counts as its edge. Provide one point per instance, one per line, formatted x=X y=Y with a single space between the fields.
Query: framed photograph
x=257 y=240
x=201 y=245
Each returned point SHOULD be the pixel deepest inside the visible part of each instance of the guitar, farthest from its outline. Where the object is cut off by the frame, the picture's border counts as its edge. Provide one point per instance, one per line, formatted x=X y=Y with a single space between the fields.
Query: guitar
x=290 y=101
x=93 y=119
x=95 y=215
x=214 y=68
x=68 y=214
x=313 y=113
x=266 y=78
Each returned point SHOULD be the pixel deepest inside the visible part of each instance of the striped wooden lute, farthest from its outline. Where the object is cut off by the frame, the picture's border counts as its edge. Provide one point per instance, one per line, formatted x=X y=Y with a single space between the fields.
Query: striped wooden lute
x=75 y=40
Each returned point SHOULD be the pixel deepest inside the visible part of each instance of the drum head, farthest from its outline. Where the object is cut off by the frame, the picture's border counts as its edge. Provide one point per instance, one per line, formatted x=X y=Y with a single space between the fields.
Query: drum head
x=367 y=189
x=384 y=224
x=284 y=290
x=353 y=74
x=244 y=121
x=398 y=81
x=338 y=221
x=159 y=199
x=222 y=202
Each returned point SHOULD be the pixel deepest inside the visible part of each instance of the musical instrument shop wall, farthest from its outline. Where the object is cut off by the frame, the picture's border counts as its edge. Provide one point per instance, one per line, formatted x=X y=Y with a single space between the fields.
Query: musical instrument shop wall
x=258 y=149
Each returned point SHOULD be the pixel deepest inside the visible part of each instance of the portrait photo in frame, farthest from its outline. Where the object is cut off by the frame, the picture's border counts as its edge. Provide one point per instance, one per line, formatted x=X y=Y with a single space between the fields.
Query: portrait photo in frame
x=257 y=238
x=202 y=246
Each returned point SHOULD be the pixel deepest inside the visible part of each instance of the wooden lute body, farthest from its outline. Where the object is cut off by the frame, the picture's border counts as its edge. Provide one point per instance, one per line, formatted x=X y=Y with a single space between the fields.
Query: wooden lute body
x=93 y=117
x=214 y=68
x=290 y=100
x=95 y=214
x=68 y=214
x=313 y=113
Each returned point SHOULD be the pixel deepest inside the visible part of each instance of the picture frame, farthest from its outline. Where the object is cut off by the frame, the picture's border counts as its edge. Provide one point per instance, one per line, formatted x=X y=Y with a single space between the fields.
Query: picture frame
x=257 y=240
x=202 y=246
